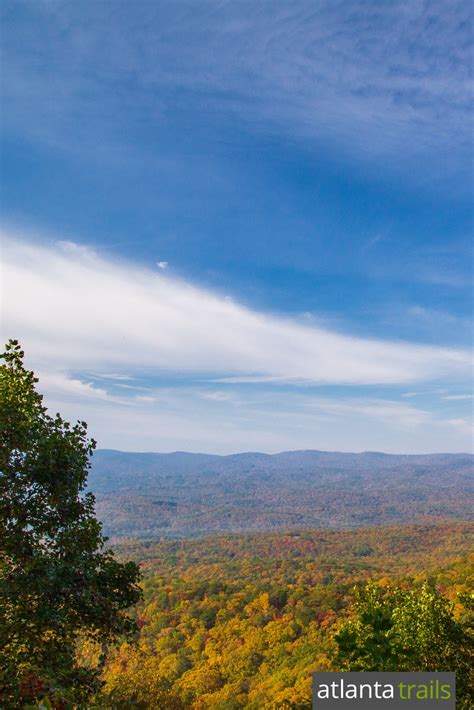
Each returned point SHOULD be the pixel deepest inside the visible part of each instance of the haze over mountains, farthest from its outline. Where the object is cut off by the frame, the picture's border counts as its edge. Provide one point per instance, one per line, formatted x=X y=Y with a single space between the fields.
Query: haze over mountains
x=181 y=494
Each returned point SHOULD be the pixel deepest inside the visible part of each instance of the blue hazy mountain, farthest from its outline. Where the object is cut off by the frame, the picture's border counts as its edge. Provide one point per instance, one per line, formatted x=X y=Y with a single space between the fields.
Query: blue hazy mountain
x=180 y=493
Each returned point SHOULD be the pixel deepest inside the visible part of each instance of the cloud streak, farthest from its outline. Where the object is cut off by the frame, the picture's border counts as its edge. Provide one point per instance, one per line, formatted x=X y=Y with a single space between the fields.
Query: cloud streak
x=77 y=311
x=374 y=79
x=199 y=419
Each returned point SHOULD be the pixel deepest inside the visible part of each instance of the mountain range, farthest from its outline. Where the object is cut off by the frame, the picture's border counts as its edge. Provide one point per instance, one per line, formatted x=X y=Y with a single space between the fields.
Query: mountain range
x=180 y=494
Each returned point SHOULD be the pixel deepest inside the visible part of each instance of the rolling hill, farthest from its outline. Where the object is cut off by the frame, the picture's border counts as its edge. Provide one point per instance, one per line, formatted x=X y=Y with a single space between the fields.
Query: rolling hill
x=181 y=494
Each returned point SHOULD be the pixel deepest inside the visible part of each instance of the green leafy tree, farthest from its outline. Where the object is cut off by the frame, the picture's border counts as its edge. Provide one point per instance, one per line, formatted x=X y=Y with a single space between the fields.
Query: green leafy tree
x=57 y=582
x=397 y=629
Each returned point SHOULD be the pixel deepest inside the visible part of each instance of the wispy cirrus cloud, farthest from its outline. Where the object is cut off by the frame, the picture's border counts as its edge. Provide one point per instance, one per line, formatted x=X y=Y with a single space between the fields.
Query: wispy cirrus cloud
x=76 y=310
x=375 y=79
x=231 y=377
x=458 y=397
x=199 y=419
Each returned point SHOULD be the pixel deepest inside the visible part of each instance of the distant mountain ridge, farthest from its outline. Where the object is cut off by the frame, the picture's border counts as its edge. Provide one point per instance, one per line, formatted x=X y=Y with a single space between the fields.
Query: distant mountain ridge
x=113 y=469
x=181 y=493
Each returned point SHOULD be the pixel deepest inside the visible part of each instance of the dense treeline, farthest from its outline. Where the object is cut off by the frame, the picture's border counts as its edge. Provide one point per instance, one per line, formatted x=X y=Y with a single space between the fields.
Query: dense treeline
x=305 y=556
x=242 y=621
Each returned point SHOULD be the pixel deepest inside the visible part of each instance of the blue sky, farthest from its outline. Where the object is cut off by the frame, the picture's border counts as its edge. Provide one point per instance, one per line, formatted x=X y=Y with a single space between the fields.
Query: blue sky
x=240 y=225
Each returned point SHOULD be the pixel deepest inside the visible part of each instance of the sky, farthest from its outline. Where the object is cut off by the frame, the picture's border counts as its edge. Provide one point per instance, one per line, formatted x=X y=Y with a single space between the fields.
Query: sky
x=235 y=226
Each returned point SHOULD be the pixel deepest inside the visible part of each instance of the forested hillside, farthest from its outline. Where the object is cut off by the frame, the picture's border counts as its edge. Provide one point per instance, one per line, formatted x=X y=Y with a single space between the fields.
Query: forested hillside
x=241 y=621
x=181 y=494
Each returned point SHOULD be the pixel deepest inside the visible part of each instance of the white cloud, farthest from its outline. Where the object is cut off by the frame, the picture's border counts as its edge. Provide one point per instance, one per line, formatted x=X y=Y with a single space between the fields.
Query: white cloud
x=458 y=397
x=219 y=396
x=387 y=411
x=162 y=264
x=114 y=376
x=73 y=389
x=59 y=384
x=464 y=426
x=187 y=419
x=76 y=311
